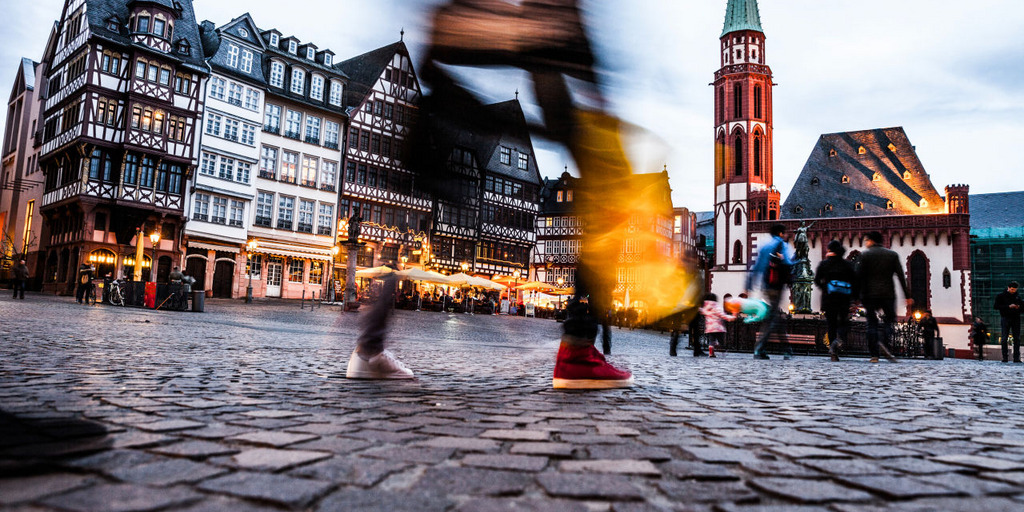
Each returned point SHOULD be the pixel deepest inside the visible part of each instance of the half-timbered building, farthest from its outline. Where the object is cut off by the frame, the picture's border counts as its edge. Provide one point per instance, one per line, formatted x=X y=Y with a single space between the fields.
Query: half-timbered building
x=121 y=103
x=559 y=233
x=382 y=102
x=220 y=208
x=296 y=194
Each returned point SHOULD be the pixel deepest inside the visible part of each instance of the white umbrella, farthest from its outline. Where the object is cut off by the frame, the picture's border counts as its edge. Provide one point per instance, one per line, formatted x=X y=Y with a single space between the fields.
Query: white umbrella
x=380 y=271
x=415 y=274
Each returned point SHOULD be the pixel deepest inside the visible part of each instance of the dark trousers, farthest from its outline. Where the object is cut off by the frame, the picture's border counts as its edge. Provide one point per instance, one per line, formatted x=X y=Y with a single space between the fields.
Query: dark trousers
x=879 y=333
x=19 y=288
x=1008 y=326
x=774 y=322
x=837 y=318
x=929 y=345
x=375 y=322
x=82 y=291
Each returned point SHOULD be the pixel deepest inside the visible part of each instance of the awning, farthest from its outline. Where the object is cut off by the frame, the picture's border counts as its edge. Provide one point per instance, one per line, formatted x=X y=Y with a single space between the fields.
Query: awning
x=294 y=251
x=213 y=247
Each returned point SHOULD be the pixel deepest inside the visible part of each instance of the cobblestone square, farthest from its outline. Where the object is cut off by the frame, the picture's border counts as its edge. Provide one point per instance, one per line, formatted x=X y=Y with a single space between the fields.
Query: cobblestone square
x=245 y=407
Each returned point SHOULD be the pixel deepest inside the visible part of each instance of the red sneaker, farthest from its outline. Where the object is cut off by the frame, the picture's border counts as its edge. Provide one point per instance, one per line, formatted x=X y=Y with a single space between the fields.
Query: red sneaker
x=586 y=368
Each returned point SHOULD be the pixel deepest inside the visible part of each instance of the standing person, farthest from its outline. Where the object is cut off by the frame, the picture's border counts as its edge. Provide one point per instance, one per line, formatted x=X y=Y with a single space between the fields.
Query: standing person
x=773 y=266
x=85 y=273
x=1009 y=305
x=875 y=270
x=979 y=336
x=175 y=277
x=929 y=330
x=836 y=278
x=714 y=325
x=20 y=273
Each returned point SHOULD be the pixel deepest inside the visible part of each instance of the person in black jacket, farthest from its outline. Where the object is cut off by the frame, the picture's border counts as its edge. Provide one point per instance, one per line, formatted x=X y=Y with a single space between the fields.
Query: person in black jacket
x=1009 y=305
x=837 y=280
x=929 y=330
x=875 y=271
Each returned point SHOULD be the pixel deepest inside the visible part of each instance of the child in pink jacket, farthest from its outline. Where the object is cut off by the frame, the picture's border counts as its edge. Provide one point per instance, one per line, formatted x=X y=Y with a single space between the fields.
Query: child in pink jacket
x=714 y=325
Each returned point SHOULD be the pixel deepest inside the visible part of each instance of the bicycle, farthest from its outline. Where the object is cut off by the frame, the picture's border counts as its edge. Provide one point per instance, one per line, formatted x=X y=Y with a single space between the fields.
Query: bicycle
x=116 y=296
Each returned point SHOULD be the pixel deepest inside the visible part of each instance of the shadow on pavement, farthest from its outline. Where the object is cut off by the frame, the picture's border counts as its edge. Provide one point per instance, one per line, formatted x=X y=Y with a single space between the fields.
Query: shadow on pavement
x=31 y=444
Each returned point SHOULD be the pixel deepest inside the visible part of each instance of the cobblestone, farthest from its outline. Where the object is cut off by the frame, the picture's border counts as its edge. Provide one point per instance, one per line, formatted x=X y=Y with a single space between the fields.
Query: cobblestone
x=246 y=408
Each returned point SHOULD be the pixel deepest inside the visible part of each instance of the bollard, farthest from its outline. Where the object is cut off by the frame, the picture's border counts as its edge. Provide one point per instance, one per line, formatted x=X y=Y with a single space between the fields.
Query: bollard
x=302 y=305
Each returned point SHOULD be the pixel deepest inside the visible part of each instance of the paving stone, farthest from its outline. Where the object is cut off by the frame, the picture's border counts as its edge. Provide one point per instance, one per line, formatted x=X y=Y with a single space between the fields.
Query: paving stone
x=375 y=499
x=782 y=468
x=473 y=481
x=902 y=487
x=735 y=507
x=685 y=469
x=629 y=451
x=121 y=498
x=168 y=472
x=808 y=491
x=611 y=430
x=19 y=490
x=521 y=505
x=338 y=445
x=169 y=425
x=381 y=436
x=800 y=452
x=613 y=487
x=876 y=451
x=967 y=484
x=720 y=454
x=448 y=430
x=275 y=439
x=195 y=449
x=214 y=503
x=462 y=443
x=1013 y=477
x=548 y=449
x=412 y=454
x=979 y=462
x=626 y=467
x=274 y=414
x=917 y=466
x=516 y=435
x=281 y=489
x=359 y=471
x=845 y=466
x=693 y=491
x=503 y=461
x=216 y=431
x=275 y=460
x=112 y=459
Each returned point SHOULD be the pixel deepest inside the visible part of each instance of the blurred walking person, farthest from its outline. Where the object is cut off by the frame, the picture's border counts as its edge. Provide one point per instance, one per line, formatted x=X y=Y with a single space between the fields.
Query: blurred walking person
x=836 y=279
x=773 y=270
x=20 y=275
x=1009 y=305
x=714 y=325
x=929 y=330
x=876 y=269
x=979 y=336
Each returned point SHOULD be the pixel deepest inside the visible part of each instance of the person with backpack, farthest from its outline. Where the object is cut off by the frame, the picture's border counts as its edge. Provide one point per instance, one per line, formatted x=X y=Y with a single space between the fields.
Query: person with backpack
x=85 y=275
x=773 y=267
x=835 y=277
x=876 y=269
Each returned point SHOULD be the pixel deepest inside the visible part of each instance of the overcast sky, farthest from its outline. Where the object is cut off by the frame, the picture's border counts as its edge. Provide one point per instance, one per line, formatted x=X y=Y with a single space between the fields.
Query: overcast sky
x=950 y=72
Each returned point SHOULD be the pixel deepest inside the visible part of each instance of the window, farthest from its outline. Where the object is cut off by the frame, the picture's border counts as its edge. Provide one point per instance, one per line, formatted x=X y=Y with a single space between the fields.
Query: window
x=325 y=219
x=559 y=197
x=252 y=99
x=152 y=72
x=268 y=162
x=312 y=130
x=328 y=175
x=111 y=63
x=331 y=132
x=327 y=59
x=276 y=74
x=272 y=118
x=309 y=165
x=140 y=69
x=335 y=97
x=298 y=81
x=757 y=101
x=233 y=56
x=106 y=112
x=721 y=104
x=231 y=129
x=757 y=156
x=220 y=211
x=254 y=265
x=828 y=207
x=217 y=86
x=183 y=84
x=316 y=272
x=738 y=157
x=815 y=181
x=310 y=53
x=375 y=143
x=142 y=24
x=524 y=161
x=293 y=124
x=248 y=134
x=147 y=119
x=161 y=177
x=289 y=164
x=293 y=46
x=892 y=147
x=242 y=171
x=876 y=177
x=845 y=179
x=861 y=150
x=227 y=168
x=798 y=209
x=174 y=180
x=201 y=207
x=858 y=205
x=889 y=205
x=377 y=107
x=316 y=87
x=737 y=101
x=158 y=27
x=906 y=175
x=831 y=153
x=146 y=172
x=285 y=210
x=264 y=209
x=131 y=168
x=209 y=164
x=306 y=209
x=275 y=40
x=246 y=61
x=295 y=268
x=235 y=94
x=364 y=141
x=737 y=218
x=353 y=138
x=923 y=203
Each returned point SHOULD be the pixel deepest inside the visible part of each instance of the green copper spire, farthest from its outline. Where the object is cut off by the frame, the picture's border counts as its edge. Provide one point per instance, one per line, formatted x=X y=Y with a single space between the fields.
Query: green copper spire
x=742 y=15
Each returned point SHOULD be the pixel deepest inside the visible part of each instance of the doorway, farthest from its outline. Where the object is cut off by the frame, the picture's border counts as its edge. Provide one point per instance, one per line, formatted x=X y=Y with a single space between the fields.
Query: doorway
x=275 y=269
x=223 y=278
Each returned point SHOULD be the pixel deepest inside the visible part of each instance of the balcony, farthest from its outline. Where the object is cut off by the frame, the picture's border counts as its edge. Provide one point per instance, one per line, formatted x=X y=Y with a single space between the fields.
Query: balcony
x=293 y=135
x=263 y=222
x=284 y=224
x=276 y=130
x=305 y=228
x=312 y=140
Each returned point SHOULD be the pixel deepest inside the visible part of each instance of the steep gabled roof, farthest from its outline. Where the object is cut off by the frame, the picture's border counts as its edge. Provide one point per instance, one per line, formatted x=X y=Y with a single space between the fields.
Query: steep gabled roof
x=742 y=15
x=997 y=214
x=364 y=70
x=186 y=27
x=869 y=168
x=549 y=203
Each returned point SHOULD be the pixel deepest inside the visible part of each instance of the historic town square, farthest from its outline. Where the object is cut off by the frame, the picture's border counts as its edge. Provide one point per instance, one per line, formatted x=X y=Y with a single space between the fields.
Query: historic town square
x=501 y=255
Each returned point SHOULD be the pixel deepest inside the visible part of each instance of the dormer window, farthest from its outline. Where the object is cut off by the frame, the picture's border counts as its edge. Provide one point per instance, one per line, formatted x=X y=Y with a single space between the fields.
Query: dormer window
x=889 y=205
x=924 y=203
x=184 y=48
x=293 y=47
x=327 y=59
x=892 y=147
x=112 y=24
x=828 y=207
x=846 y=179
x=906 y=175
x=233 y=55
x=310 y=53
x=798 y=209
x=298 y=81
x=861 y=150
x=876 y=177
x=858 y=205
x=275 y=40
x=243 y=32
x=815 y=181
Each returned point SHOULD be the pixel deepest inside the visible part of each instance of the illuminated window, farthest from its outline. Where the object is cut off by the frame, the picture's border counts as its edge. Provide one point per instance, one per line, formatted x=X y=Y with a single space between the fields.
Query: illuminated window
x=924 y=203
x=831 y=152
x=906 y=175
x=846 y=179
x=828 y=207
x=559 y=197
x=861 y=150
x=889 y=205
x=876 y=177
x=858 y=205
x=892 y=147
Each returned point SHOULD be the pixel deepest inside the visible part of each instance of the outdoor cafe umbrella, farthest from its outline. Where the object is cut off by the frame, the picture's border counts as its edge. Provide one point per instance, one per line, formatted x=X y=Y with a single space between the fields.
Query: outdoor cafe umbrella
x=468 y=280
x=371 y=273
x=426 y=276
x=535 y=286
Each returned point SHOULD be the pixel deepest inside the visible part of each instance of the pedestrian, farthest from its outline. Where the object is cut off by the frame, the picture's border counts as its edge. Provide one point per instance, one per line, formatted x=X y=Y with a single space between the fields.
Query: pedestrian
x=1009 y=305
x=20 y=274
x=370 y=360
x=714 y=325
x=979 y=336
x=85 y=274
x=836 y=279
x=773 y=269
x=929 y=330
x=875 y=271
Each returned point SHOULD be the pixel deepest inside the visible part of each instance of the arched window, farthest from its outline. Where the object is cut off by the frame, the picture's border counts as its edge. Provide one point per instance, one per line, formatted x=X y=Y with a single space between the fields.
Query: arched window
x=947 y=278
x=721 y=104
x=737 y=218
x=846 y=179
x=918 y=282
x=858 y=205
x=737 y=252
x=757 y=156
x=104 y=260
x=757 y=102
x=737 y=101
x=738 y=156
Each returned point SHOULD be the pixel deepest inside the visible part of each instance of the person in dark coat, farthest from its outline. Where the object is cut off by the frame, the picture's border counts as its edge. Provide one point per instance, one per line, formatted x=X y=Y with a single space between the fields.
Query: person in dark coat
x=20 y=275
x=979 y=336
x=837 y=280
x=929 y=330
x=875 y=271
x=85 y=275
x=1009 y=305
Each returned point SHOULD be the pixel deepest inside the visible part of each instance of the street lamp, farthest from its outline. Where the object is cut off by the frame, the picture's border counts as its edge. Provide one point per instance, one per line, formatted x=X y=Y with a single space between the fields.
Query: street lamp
x=155 y=238
x=250 y=247
x=334 y=263
x=560 y=283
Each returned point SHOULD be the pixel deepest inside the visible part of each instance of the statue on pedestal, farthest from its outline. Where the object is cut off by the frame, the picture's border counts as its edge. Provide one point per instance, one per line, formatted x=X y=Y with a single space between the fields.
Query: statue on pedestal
x=803 y=276
x=355 y=226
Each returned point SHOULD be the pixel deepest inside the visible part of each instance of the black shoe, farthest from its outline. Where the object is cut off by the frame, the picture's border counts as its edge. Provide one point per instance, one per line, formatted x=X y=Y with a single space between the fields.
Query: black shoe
x=761 y=356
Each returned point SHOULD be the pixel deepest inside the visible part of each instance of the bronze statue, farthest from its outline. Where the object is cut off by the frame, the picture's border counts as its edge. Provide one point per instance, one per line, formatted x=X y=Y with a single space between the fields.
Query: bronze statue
x=355 y=227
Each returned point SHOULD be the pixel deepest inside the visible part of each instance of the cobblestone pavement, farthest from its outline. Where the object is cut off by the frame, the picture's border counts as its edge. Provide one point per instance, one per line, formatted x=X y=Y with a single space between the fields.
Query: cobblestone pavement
x=246 y=408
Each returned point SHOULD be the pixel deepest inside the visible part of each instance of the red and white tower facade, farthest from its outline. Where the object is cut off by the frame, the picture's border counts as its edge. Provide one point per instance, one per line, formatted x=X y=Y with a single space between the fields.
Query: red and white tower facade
x=744 y=189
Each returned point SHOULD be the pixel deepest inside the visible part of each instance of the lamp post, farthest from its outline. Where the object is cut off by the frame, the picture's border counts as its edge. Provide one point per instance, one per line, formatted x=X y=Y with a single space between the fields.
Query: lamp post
x=560 y=283
x=334 y=263
x=250 y=247
x=155 y=238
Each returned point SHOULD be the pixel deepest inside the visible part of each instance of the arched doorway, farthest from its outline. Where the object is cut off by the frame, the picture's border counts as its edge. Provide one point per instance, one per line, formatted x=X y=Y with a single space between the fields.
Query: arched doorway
x=196 y=268
x=918 y=268
x=105 y=262
x=223 y=278
x=51 y=268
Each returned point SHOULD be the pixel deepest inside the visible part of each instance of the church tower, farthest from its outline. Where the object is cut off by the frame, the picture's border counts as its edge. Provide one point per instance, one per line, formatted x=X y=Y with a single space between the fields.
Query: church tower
x=744 y=189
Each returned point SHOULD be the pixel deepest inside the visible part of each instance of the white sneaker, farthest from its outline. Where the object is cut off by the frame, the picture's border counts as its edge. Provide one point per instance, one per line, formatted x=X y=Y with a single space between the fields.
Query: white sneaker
x=380 y=366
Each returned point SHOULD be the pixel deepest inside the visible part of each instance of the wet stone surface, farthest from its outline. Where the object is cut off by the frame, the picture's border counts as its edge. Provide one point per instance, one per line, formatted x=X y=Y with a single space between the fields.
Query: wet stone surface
x=245 y=407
